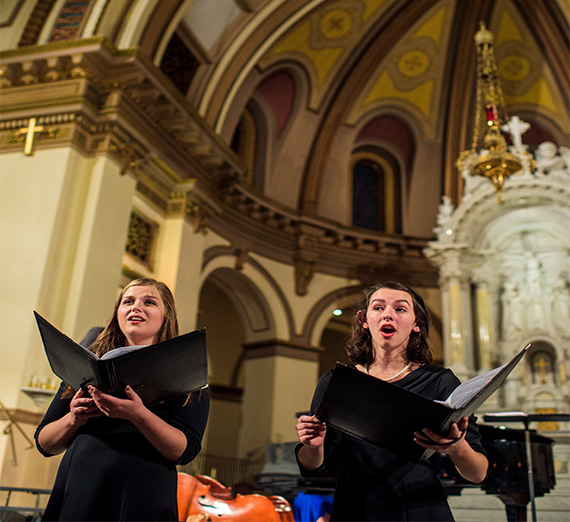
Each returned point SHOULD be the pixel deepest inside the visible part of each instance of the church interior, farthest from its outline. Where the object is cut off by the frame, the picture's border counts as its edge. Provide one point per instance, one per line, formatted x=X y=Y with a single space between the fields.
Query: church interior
x=268 y=160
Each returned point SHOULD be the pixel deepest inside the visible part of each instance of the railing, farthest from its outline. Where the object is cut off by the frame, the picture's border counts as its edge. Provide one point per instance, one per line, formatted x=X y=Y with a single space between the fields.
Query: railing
x=230 y=471
x=35 y=511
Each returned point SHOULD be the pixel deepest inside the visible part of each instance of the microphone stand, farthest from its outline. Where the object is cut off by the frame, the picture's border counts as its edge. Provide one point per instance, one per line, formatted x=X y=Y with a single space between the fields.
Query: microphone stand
x=526 y=419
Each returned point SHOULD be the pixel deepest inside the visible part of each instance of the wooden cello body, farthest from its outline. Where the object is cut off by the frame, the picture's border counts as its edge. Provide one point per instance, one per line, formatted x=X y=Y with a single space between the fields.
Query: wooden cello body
x=204 y=498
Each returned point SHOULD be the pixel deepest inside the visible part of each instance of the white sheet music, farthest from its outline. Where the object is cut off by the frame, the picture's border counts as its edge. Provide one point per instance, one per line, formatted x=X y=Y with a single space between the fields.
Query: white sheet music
x=467 y=390
x=120 y=351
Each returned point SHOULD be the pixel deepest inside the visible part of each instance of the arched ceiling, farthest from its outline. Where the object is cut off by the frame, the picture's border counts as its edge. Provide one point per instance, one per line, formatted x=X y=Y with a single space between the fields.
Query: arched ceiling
x=399 y=51
x=363 y=58
x=334 y=75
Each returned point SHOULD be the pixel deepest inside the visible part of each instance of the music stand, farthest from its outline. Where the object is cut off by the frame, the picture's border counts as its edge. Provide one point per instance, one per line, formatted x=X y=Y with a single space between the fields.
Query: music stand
x=526 y=419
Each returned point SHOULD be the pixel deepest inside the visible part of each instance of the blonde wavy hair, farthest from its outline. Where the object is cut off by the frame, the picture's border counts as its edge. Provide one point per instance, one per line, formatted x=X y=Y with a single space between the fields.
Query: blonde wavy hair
x=112 y=336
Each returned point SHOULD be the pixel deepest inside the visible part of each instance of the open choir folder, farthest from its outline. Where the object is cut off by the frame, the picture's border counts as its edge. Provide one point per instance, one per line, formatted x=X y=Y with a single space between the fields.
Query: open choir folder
x=155 y=372
x=387 y=415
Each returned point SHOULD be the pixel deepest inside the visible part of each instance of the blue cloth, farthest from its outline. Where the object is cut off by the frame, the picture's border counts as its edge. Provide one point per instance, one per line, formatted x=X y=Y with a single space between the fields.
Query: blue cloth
x=308 y=507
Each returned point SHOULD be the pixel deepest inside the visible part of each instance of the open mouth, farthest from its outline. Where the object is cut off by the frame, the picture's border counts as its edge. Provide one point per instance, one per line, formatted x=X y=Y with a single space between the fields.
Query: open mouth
x=387 y=329
x=136 y=319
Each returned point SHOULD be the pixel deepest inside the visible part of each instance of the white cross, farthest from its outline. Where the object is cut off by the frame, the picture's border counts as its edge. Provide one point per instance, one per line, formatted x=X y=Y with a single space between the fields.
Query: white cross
x=516 y=128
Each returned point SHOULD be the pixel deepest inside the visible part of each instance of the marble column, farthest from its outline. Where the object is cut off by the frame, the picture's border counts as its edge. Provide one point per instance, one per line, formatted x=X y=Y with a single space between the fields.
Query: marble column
x=456 y=310
x=179 y=258
x=279 y=381
x=483 y=326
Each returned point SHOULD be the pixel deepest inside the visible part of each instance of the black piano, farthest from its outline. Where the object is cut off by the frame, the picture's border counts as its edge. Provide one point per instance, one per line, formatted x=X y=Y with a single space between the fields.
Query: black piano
x=508 y=474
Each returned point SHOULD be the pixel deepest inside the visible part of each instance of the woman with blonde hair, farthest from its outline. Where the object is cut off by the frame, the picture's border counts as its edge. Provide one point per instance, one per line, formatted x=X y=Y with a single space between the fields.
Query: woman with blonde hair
x=121 y=455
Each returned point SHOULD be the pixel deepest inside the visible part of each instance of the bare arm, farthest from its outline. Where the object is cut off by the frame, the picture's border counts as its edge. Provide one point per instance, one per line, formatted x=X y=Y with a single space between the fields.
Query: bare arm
x=470 y=464
x=311 y=432
x=168 y=440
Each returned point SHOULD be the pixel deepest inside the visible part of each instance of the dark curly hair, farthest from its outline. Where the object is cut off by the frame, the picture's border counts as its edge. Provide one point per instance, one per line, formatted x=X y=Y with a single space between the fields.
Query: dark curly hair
x=359 y=347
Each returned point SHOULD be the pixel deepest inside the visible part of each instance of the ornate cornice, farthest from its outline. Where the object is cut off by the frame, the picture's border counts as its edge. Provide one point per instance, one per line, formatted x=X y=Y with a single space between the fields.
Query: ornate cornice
x=114 y=85
x=521 y=191
x=461 y=250
x=310 y=243
x=101 y=101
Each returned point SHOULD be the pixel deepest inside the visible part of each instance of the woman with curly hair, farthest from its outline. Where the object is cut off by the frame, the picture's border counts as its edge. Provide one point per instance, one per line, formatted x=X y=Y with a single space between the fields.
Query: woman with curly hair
x=389 y=342
x=121 y=455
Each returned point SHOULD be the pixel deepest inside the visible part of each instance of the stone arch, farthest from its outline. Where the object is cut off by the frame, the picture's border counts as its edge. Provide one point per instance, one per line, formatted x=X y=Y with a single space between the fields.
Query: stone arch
x=252 y=282
x=319 y=319
x=541 y=363
x=269 y=125
x=245 y=297
x=233 y=311
x=255 y=132
x=391 y=129
x=255 y=87
x=473 y=216
x=396 y=132
x=278 y=89
x=319 y=314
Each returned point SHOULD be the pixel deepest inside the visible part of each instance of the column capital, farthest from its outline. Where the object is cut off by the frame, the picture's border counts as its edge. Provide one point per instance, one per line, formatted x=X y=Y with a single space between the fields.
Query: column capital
x=450 y=259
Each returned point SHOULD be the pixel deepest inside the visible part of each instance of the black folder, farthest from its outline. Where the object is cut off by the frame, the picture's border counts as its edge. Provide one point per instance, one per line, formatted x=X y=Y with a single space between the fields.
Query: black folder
x=156 y=372
x=387 y=415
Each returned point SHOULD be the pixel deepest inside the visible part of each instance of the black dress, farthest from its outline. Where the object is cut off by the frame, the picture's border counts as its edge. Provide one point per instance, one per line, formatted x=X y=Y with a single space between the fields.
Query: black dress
x=111 y=472
x=376 y=485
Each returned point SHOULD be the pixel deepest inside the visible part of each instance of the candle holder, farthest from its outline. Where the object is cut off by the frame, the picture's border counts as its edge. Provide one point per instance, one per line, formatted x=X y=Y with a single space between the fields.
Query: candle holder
x=38 y=395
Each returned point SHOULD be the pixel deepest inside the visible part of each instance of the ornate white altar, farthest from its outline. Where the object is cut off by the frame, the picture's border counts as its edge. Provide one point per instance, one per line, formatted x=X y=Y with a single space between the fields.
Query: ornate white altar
x=505 y=278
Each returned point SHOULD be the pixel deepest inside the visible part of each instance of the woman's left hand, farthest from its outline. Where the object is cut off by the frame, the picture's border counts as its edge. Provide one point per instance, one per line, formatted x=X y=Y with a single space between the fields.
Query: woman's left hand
x=168 y=440
x=471 y=464
x=115 y=407
x=443 y=444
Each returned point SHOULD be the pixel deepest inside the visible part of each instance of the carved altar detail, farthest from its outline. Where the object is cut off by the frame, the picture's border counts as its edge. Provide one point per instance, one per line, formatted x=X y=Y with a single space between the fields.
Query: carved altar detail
x=510 y=264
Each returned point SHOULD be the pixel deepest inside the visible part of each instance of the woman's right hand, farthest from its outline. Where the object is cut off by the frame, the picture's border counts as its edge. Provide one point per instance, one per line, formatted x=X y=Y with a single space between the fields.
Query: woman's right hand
x=311 y=431
x=82 y=408
x=55 y=437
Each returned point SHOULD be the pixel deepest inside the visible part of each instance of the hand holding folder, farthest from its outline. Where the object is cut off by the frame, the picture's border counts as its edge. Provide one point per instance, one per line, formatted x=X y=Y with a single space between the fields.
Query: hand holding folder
x=388 y=415
x=156 y=372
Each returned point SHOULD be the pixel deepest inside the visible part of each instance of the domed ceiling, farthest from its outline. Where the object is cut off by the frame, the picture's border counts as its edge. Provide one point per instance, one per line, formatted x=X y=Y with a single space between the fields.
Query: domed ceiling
x=309 y=95
x=325 y=80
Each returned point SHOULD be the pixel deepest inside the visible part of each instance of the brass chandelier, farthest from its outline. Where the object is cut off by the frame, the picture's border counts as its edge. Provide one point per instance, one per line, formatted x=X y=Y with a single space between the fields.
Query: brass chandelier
x=490 y=159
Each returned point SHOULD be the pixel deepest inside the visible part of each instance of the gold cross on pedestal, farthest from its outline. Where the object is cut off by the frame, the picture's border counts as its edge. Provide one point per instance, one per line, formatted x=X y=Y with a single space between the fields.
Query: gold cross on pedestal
x=542 y=365
x=30 y=131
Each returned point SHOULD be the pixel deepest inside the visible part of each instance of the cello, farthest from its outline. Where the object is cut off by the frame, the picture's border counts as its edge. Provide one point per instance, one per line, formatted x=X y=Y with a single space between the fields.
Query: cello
x=204 y=498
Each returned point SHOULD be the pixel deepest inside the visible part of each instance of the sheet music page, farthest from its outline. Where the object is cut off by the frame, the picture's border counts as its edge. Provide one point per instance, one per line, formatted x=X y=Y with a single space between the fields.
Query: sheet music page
x=467 y=390
x=120 y=351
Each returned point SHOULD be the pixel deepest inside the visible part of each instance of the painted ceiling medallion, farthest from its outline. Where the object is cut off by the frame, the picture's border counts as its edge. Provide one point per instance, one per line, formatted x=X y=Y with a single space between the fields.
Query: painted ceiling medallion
x=337 y=27
x=336 y=24
x=414 y=63
x=514 y=68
